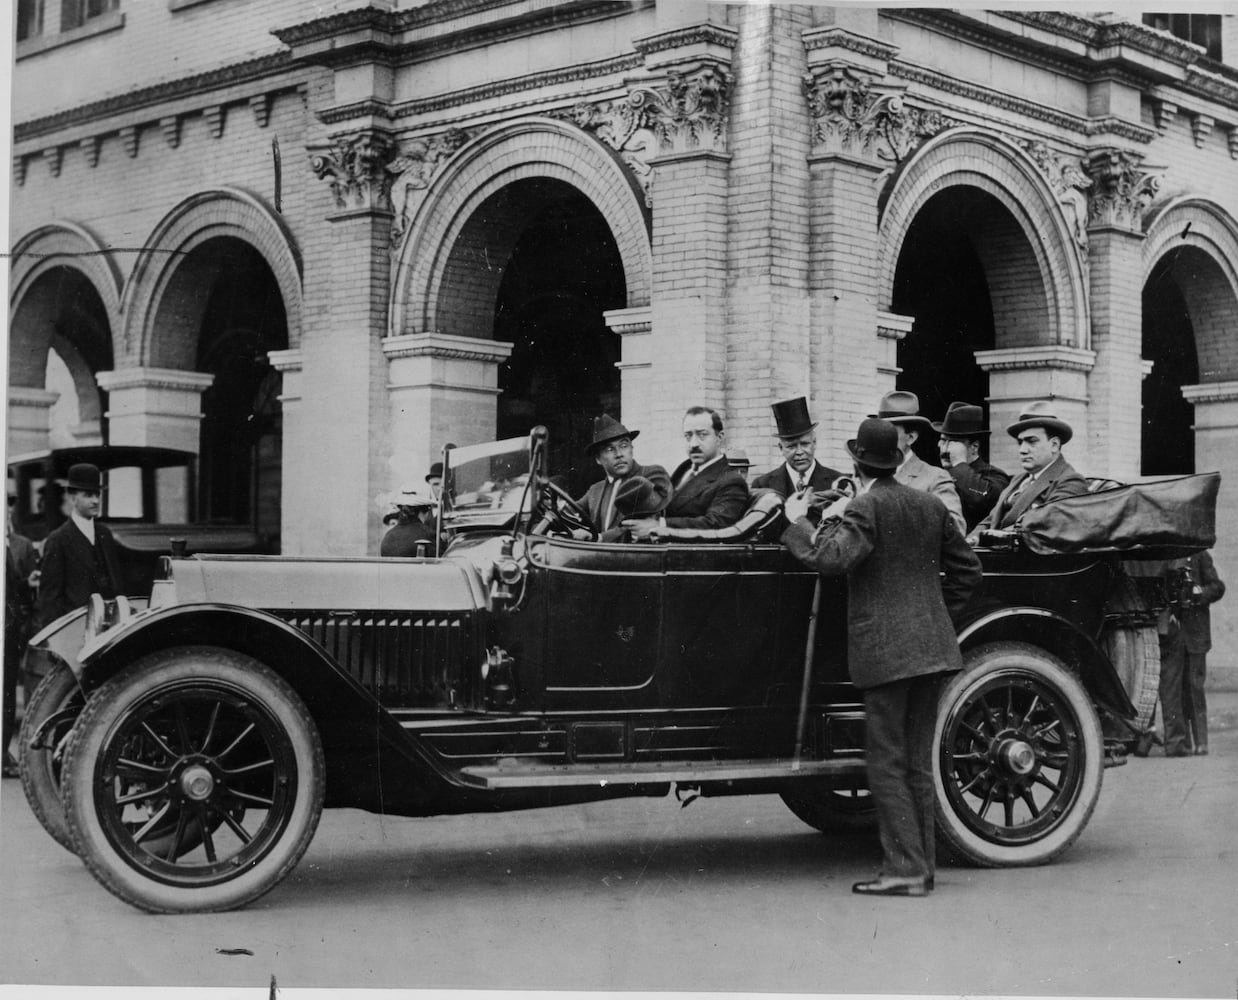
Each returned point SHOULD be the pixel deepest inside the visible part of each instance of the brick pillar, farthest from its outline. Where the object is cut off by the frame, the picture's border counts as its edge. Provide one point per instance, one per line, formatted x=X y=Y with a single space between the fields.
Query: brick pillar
x=29 y=419
x=635 y=364
x=1019 y=375
x=441 y=389
x=1119 y=194
x=159 y=407
x=296 y=451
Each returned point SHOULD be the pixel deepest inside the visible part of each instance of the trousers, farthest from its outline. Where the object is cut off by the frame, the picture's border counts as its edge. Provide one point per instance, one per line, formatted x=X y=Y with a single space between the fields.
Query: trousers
x=1184 y=706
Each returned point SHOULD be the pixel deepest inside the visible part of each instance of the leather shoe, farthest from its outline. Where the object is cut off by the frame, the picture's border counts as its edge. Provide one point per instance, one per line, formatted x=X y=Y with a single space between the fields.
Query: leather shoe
x=10 y=769
x=1201 y=750
x=893 y=885
x=1178 y=751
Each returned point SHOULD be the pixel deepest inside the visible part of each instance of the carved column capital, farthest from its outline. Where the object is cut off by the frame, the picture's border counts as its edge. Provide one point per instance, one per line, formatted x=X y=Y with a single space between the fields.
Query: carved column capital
x=688 y=112
x=1122 y=189
x=355 y=167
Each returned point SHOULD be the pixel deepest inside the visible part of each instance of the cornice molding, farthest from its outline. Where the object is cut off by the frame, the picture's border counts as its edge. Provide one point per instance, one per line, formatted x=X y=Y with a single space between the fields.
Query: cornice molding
x=708 y=34
x=1054 y=356
x=835 y=37
x=154 y=378
x=447 y=346
x=160 y=93
x=1211 y=392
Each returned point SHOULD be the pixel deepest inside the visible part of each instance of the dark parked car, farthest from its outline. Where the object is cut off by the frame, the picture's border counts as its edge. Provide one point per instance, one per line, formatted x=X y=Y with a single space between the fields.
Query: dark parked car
x=202 y=736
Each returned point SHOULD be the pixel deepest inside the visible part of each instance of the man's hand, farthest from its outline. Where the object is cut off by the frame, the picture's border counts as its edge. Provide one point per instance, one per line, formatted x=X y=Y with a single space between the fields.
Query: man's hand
x=796 y=506
x=835 y=509
x=643 y=529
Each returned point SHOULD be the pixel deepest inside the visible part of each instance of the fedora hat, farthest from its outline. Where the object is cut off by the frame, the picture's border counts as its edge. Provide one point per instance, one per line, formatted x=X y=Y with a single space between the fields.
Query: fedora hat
x=962 y=420
x=607 y=428
x=737 y=458
x=410 y=496
x=876 y=444
x=901 y=407
x=84 y=476
x=791 y=416
x=1041 y=414
x=436 y=471
x=635 y=497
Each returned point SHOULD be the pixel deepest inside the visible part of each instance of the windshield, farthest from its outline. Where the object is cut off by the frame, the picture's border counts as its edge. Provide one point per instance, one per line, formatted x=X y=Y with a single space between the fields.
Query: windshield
x=485 y=484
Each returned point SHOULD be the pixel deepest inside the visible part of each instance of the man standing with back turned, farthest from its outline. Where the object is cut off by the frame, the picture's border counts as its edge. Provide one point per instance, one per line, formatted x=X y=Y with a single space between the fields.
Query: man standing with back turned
x=909 y=575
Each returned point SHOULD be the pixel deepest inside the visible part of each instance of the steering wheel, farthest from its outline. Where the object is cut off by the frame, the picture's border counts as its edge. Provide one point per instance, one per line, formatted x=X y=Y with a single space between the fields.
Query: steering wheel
x=563 y=515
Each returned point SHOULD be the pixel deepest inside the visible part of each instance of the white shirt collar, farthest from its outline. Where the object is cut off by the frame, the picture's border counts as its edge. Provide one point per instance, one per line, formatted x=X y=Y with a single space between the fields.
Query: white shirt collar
x=795 y=476
x=86 y=525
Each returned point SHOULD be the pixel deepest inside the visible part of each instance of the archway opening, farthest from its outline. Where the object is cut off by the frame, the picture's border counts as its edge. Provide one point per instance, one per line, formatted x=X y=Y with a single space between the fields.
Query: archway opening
x=563 y=272
x=1169 y=342
x=228 y=288
x=956 y=271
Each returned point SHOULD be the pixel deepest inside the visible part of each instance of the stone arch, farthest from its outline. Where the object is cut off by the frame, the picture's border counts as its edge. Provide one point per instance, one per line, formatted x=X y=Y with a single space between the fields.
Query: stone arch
x=974 y=158
x=207 y=215
x=534 y=148
x=1207 y=278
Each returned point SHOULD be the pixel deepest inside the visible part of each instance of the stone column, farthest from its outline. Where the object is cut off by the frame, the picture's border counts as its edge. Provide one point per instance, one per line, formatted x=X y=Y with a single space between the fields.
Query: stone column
x=440 y=389
x=1120 y=192
x=297 y=466
x=157 y=407
x=634 y=327
x=29 y=419
x=1019 y=375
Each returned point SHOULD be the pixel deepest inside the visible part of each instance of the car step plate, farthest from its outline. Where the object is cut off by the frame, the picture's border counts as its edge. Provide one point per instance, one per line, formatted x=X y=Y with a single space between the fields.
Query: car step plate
x=521 y=775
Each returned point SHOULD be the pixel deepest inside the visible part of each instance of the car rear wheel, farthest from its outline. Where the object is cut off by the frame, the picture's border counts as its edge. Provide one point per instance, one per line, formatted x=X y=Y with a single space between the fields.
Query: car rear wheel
x=1018 y=759
x=187 y=740
x=1136 y=655
x=49 y=716
x=833 y=810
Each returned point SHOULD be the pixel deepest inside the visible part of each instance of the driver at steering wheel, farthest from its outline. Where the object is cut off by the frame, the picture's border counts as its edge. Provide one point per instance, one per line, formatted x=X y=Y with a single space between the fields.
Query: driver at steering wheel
x=629 y=489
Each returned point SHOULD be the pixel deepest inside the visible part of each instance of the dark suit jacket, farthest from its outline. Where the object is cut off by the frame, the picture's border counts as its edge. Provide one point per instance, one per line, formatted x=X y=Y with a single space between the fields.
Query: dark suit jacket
x=714 y=498
x=778 y=480
x=71 y=573
x=1197 y=620
x=1056 y=481
x=909 y=574
x=592 y=500
x=979 y=485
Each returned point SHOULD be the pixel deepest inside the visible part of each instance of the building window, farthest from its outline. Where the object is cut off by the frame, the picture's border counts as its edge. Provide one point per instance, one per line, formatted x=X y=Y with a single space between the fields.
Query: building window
x=75 y=13
x=1202 y=29
x=29 y=19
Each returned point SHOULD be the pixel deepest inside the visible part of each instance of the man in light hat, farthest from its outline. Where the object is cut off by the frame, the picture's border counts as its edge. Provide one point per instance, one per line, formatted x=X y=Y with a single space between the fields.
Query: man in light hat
x=79 y=557
x=902 y=409
x=413 y=531
x=1046 y=474
x=909 y=575
x=738 y=460
x=797 y=440
x=630 y=490
x=979 y=483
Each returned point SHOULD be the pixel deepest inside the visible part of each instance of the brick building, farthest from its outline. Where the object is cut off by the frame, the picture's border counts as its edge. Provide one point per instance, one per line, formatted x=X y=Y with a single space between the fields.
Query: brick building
x=314 y=251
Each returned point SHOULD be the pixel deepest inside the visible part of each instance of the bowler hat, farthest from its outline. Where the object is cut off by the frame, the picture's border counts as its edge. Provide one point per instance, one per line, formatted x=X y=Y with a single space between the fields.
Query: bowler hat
x=86 y=477
x=1041 y=414
x=436 y=471
x=607 y=428
x=876 y=444
x=901 y=407
x=635 y=497
x=962 y=420
x=792 y=417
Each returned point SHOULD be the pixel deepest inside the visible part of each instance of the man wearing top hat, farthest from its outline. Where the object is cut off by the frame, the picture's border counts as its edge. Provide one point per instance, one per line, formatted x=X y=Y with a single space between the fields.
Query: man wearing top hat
x=909 y=575
x=797 y=440
x=79 y=557
x=979 y=483
x=902 y=409
x=629 y=489
x=1046 y=474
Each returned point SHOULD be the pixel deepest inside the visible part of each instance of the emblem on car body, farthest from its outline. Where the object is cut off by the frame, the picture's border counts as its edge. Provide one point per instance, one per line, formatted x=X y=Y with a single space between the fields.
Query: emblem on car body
x=625 y=632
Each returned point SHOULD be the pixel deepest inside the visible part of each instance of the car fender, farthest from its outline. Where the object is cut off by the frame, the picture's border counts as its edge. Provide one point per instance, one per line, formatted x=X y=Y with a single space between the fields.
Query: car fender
x=1061 y=637
x=394 y=763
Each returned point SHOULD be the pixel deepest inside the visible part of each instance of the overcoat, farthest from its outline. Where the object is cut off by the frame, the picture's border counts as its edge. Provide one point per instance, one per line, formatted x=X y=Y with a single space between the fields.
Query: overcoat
x=592 y=500
x=714 y=498
x=1058 y=479
x=779 y=479
x=71 y=572
x=979 y=485
x=909 y=575
x=919 y=475
x=1196 y=621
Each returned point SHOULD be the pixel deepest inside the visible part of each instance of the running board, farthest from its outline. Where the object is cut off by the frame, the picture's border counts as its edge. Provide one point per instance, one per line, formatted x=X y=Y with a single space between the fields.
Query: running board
x=518 y=775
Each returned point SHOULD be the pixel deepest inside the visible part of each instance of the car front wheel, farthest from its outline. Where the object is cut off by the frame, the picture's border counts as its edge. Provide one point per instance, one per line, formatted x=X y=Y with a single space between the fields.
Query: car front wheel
x=184 y=741
x=1018 y=759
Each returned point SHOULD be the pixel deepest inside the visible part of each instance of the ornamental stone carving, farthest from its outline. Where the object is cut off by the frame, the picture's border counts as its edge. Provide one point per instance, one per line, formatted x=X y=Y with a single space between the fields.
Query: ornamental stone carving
x=621 y=127
x=852 y=117
x=414 y=167
x=1122 y=189
x=1069 y=181
x=355 y=166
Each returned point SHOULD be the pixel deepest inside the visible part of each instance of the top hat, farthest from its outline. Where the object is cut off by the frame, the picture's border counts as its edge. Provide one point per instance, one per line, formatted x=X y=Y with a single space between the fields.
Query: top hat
x=635 y=497
x=792 y=417
x=737 y=458
x=876 y=444
x=1040 y=414
x=436 y=471
x=607 y=428
x=901 y=407
x=86 y=477
x=962 y=420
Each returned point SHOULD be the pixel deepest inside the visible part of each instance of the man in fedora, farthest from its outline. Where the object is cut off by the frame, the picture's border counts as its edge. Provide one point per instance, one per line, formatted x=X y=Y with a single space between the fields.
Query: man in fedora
x=1046 y=474
x=797 y=440
x=902 y=409
x=413 y=532
x=979 y=484
x=79 y=557
x=909 y=575
x=630 y=490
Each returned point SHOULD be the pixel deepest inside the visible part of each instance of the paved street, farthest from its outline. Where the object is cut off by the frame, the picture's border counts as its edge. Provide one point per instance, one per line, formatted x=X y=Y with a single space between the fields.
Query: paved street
x=724 y=895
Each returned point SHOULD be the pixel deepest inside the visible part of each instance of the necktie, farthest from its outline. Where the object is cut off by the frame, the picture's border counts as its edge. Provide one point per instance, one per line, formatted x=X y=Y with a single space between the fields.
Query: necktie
x=799 y=487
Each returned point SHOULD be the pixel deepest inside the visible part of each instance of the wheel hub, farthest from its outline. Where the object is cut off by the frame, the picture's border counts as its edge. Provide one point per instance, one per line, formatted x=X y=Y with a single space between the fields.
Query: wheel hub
x=1017 y=756
x=197 y=783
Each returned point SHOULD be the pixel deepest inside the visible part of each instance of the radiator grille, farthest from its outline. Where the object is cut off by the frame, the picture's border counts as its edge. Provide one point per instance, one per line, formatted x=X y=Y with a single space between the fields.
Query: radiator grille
x=404 y=660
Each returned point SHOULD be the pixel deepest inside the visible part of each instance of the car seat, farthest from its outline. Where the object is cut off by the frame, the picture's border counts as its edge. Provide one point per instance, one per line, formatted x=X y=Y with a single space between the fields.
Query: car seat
x=762 y=515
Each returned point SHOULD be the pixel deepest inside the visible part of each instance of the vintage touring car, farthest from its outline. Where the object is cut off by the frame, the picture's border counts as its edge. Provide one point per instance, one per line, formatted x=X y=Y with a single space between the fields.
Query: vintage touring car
x=187 y=749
